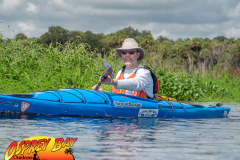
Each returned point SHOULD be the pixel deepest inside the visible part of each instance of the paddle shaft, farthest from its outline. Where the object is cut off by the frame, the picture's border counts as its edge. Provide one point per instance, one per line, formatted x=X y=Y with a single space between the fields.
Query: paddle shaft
x=104 y=76
x=99 y=84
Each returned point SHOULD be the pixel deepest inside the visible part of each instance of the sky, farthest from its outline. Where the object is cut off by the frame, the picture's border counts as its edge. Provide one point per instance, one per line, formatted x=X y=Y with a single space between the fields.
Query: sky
x=168 y=18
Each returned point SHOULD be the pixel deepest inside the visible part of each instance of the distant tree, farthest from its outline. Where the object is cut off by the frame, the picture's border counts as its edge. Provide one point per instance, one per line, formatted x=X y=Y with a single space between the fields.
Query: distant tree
x=96 y=41
x=168 y=43
x=179 y=49
x=217 y=49
x=76 y=36
x=112 y=40
x=204 y=54
x=131 y=32
x=236 y=56
x=206 y=44
x=21 y=36
x=196 y=46
x=55 y=35
x=162 y=39
x=191 y=58
x=164 y=52
x=179 y=52
x=230 y=41
x=147 y=41
x=138 y=39
x=157 y=45
x=116 y=39
x=207 y=39
x=220 y=38
x=187 y=40
x=179 y=40
x=165 y=49
x=121 y=36
x=205 y=58
x=145 y=33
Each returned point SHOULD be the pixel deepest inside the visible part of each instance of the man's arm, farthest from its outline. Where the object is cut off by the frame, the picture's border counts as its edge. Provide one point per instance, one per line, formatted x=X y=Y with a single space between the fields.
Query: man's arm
x=138 y=83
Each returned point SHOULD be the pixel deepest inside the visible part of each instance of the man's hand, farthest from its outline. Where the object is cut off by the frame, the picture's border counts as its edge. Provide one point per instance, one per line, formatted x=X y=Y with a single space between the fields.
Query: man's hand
x=107 y=80
x=99 y=88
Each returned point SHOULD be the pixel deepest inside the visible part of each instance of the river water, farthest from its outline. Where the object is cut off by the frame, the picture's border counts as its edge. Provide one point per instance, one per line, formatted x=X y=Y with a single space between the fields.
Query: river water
x=130 y=138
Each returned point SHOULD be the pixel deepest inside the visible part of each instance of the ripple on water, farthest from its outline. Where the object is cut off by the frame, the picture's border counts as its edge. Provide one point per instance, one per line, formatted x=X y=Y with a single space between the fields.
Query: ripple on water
x=129 y=138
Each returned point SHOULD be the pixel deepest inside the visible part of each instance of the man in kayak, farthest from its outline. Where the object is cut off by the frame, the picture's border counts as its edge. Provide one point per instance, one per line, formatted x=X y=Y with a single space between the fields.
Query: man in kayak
x=133 y=79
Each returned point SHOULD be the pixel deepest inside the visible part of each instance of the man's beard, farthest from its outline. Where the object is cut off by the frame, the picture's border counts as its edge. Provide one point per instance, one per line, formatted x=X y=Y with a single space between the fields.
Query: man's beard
x=129 y=64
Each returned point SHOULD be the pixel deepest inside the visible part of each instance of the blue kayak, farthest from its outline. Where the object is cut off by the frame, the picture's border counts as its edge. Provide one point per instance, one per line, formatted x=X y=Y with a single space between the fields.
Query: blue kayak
x=90 y=103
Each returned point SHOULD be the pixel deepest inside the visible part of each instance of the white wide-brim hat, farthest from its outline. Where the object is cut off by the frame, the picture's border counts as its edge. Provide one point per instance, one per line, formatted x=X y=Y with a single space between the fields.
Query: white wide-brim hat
x=130 y=43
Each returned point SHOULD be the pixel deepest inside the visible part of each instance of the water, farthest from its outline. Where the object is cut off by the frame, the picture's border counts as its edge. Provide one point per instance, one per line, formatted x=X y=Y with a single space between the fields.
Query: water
x=129 y=138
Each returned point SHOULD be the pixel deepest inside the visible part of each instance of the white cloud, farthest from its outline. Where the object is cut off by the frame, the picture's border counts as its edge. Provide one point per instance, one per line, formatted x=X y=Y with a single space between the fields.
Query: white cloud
x=233 y=32
x=26 y=28
x=32 y=8
x=235 y=13
x=10 y=4
x=163 y=33
x=170 y=18
x=7 y=6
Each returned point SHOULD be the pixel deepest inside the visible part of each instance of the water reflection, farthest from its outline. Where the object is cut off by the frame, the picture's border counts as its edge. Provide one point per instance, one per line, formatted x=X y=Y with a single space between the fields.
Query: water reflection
x=126 y=137
x=131 y=138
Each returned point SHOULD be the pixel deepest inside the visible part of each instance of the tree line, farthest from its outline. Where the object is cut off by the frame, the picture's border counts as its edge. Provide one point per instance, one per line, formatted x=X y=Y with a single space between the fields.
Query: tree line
x=192 y=55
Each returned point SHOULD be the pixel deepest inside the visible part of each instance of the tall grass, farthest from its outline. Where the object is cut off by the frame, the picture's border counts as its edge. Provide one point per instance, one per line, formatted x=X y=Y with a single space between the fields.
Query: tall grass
x=29 y=67
x=34 y=67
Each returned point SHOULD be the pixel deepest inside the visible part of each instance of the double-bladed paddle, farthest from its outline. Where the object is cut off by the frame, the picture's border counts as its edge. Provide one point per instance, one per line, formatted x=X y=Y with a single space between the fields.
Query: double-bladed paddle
x=109 y=72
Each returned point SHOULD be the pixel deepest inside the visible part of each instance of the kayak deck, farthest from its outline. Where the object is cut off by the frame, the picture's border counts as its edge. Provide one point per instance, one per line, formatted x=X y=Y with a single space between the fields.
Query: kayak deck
x=81 y=102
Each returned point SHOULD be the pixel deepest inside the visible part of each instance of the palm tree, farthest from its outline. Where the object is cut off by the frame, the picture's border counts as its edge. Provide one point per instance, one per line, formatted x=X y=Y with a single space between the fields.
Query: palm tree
x=157 y=45
x=234 y=51
x=204 y=56
x=179 y=52
x=196 y=46
x=180 y=49
x=168 y=44
x=165 y=49
x=112 y=40
x=217 y=49
x=220 y=38
x=179 y=40
x=121 y=36
x=139 y=39
x=230 y=41
x=69 y=151
x=191 y=58
x=148 y=41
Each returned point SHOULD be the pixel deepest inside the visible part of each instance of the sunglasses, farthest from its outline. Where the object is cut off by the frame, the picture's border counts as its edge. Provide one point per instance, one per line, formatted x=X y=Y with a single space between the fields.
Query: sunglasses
x=130 y=52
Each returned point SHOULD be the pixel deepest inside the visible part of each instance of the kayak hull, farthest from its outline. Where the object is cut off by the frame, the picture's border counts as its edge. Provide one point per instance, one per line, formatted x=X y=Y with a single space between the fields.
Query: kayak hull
x=80 y=102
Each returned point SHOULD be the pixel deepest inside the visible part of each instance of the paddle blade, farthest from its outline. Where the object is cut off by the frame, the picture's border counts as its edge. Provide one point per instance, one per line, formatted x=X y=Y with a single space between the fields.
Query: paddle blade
x=108 y=66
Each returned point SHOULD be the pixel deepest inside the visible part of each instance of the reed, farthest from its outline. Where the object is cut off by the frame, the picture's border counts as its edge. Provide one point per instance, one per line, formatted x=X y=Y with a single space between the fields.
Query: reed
x=29 y=66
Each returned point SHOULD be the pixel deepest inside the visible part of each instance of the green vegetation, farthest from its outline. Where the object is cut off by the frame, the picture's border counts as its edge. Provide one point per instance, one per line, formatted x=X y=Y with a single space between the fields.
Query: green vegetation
x=188 y=70
x=226 y=82
x=34 y=67
x=209 y=57
x=20 y=36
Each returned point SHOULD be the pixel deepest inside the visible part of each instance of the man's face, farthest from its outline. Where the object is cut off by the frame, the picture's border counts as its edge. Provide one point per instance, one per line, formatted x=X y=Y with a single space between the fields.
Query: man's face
x=130 y=59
